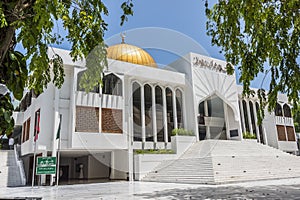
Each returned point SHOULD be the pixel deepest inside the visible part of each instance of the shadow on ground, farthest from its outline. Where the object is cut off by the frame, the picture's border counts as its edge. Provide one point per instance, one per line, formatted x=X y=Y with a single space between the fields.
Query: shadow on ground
x=266 y=192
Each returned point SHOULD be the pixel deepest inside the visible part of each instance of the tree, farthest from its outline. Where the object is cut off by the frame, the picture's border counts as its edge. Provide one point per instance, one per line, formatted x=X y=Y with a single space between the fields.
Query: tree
x=254 y=32
x=296 y=116
x=32 y=23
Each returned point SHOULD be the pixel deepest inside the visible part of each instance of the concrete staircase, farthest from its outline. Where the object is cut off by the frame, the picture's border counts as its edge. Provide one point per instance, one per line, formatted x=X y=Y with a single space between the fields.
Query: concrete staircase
x=225 y=161
x=9 y=169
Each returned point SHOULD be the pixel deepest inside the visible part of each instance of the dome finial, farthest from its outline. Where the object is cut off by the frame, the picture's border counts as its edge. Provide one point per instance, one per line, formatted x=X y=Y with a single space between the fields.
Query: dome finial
x=123 y=35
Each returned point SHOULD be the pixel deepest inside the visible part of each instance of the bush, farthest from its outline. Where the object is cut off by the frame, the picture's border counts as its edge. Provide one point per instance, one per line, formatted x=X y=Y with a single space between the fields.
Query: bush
x=154 y=151
x=182 y=131
x=248 y=135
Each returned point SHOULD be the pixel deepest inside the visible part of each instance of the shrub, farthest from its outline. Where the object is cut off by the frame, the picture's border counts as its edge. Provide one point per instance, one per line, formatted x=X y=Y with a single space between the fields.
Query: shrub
x=182 y=131
x=154 y=151
x=247 y=135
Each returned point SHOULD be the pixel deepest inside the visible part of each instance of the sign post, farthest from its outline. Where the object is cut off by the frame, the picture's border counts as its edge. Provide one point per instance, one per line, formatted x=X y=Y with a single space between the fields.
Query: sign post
x=46 y=165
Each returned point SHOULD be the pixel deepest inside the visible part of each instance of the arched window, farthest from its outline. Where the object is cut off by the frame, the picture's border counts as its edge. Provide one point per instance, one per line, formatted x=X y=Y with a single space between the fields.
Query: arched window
x=170 y=114
x=246 y=115
x=159 y=114
x=287 y=111
x=112 y=85
x=241 y=118
x=278 y=110
x=136 y=110
x=252 y=117
x=260 y=128
x=179 y=109
x=148 y=112
x=79 y=75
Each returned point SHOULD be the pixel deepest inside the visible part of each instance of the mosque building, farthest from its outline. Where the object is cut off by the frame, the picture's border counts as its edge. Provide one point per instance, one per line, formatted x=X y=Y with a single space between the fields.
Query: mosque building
x=138 y=107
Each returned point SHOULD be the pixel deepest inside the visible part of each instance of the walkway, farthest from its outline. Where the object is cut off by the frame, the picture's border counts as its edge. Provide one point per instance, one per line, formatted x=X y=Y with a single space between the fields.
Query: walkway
x=275 y=189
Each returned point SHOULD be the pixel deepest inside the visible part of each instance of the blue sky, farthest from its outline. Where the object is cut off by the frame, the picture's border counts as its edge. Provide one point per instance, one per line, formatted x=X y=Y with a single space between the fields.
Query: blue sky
x=167 y=29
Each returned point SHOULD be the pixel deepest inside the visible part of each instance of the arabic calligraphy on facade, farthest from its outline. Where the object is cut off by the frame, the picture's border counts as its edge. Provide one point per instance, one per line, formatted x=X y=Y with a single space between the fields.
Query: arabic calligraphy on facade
x=199 y=62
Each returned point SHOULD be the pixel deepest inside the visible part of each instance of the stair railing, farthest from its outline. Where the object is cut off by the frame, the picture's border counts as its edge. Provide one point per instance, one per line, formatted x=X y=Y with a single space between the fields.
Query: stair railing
x=20 y=165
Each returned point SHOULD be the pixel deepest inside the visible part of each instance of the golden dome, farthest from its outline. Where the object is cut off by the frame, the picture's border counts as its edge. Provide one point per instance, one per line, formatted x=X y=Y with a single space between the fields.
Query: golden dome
x=130 y=53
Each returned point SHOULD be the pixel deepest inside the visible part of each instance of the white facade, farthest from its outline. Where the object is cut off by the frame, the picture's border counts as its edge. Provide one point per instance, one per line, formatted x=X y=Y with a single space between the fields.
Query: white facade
x=99 y=131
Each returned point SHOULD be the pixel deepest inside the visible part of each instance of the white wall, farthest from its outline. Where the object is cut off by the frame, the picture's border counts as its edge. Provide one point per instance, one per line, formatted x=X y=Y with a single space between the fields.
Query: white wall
x=232 y=123
x=145 y=163
x=119 y=164
x=99 y=165
x=103 y=141
x=270 y=129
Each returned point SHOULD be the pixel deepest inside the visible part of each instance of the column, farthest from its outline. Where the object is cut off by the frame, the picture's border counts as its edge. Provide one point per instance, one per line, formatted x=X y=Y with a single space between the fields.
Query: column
x=243 y=117
x=249 y=117
x=130 y=114
x=55 y=125
x=154 y=126
x=112 y=165
x=165 y=114
x=143 y=115
x=100 y=109
x=226 y=118
x=174 y=109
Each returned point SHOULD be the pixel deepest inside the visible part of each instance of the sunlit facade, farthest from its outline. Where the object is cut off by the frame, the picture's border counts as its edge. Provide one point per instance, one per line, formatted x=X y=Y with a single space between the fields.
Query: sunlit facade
x=137 y=107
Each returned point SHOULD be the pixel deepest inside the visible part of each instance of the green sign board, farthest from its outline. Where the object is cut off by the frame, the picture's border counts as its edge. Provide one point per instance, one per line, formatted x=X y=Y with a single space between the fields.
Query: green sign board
x=46 y=165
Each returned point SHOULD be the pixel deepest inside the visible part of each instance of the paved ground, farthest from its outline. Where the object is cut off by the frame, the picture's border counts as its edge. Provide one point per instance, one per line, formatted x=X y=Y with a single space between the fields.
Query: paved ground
x=276 y=189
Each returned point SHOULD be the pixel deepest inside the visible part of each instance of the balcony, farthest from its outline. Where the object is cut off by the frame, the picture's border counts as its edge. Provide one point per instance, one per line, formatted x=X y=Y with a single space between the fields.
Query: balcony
x=285 y=121
x=93 y=100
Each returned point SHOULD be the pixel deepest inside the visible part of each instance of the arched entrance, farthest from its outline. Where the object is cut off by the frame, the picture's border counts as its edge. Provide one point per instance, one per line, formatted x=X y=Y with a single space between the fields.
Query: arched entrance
x=212 y=119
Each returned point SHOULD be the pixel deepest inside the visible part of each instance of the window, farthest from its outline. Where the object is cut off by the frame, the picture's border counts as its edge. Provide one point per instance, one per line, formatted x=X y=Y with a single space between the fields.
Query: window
x=290 y=133
x=287 y=111
x=281 y=133
x=148 y=112
x=26 y=130
x=252 y=117
x=136 y=110
x=87 y=119
x=112 y=120
x=179 y=108
x=36 y=124
x=112 y=85
x=246 y=115
x=170 y=114
x=260 y=129
x=278 y=110
x=79 y=75
x=241 y=116
x=159 y=114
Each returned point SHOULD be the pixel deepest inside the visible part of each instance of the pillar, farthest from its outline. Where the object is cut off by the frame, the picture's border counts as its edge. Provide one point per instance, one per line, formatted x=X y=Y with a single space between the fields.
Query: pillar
x=143 y=116
x=174 y=109
x=165 y=114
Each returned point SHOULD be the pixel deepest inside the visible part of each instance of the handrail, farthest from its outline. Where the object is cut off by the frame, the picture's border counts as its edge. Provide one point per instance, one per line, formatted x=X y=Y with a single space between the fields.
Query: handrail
x=20 y=165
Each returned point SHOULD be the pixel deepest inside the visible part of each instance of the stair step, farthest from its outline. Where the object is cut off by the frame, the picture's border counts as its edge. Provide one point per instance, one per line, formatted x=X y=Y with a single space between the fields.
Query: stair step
x=227 y=161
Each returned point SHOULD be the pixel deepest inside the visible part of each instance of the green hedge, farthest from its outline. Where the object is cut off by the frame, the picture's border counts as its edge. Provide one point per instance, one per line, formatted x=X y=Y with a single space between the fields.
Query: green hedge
x=248 y=135
x=182 y=131
x=154 y=151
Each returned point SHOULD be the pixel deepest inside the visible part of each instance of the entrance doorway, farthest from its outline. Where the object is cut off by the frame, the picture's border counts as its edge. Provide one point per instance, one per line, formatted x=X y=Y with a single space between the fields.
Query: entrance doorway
x=211 y=120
